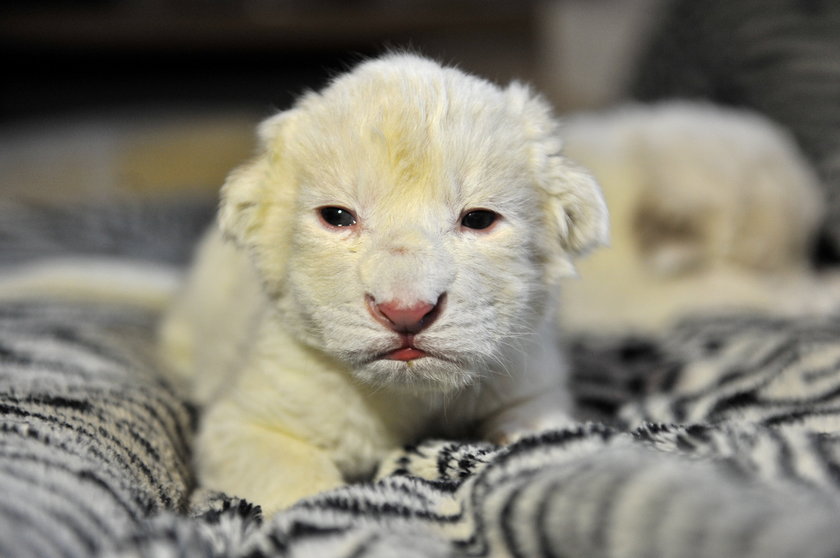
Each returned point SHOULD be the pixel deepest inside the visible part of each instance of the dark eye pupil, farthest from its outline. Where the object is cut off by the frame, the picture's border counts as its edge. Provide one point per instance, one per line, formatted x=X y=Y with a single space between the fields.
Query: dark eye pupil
x=479 y=219
x=338 y=217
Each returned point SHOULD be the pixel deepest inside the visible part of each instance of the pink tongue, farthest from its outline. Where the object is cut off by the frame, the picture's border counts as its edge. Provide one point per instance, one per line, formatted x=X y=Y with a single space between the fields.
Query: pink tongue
x=408 y=353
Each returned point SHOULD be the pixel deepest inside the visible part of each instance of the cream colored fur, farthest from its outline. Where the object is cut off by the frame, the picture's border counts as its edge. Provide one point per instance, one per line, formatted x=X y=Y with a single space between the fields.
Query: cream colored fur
x=711 y=210
x=272 y=333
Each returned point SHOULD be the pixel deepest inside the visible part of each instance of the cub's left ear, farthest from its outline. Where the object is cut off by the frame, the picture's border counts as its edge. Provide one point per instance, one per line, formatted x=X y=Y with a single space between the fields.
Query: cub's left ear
x=576 y=214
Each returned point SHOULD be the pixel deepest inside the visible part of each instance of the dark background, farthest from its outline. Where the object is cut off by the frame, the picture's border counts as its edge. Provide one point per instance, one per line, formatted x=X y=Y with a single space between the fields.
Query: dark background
x=145 y=97
x=84 y=55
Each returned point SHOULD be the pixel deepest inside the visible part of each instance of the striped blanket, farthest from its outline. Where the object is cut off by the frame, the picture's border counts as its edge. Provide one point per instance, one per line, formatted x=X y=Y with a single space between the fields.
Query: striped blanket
x=719 y=438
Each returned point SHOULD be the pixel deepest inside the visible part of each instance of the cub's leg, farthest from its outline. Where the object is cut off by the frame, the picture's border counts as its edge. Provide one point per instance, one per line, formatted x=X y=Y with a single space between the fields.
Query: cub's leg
x=265 y=466
x=549 y=410
x=534 y=400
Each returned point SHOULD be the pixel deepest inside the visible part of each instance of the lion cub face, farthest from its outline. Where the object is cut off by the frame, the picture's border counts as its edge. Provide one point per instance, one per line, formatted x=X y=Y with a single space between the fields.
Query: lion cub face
x=409 y=220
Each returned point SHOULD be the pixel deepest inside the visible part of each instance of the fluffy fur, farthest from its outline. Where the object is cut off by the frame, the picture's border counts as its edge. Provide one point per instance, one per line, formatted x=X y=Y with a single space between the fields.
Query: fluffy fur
x=711 y=209
x=274 y=332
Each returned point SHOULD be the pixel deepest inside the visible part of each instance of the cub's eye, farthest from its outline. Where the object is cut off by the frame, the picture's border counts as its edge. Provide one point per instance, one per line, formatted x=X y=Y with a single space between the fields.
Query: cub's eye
x=337 y=216
x=479 y=219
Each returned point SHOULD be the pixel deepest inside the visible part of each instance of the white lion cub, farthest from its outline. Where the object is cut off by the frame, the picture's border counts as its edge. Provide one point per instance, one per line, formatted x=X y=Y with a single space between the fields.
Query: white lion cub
x=383 y=270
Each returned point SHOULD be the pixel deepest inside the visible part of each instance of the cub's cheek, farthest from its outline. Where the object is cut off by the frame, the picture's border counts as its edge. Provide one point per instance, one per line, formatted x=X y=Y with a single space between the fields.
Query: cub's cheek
x=327 y=260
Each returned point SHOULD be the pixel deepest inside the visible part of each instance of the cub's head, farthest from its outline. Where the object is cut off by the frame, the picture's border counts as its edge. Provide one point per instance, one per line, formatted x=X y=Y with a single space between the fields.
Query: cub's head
x=410 y=220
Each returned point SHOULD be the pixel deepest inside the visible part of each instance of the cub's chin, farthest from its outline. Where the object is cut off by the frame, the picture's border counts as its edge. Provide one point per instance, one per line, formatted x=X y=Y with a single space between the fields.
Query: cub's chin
x=426 y=374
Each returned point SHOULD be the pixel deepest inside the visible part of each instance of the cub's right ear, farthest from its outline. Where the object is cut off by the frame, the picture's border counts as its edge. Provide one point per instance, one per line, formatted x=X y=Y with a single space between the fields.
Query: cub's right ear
x=245 y=194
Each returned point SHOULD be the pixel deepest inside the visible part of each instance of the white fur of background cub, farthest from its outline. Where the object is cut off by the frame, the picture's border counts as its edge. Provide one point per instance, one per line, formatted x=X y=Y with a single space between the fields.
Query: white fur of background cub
x=712 y=209
x=272 y=332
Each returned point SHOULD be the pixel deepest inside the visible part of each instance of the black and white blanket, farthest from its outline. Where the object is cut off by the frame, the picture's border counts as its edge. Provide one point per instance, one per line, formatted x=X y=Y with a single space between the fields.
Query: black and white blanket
x=719 y=438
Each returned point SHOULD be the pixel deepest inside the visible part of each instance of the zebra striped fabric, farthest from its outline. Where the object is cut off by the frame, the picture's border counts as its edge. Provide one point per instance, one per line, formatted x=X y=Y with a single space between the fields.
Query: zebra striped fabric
x=91 y=442
x=730 y=447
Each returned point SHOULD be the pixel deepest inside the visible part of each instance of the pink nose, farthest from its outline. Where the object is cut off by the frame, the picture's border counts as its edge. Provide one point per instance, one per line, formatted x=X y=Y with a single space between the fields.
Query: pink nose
x=402 y=318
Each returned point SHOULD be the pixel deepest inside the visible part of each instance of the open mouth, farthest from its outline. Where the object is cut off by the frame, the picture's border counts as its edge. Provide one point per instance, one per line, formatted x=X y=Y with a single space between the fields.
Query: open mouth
x=405 y=354
x=407 y=351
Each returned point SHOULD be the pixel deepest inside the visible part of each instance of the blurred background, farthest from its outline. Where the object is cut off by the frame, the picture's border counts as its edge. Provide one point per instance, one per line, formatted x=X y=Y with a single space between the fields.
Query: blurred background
x=162 y=95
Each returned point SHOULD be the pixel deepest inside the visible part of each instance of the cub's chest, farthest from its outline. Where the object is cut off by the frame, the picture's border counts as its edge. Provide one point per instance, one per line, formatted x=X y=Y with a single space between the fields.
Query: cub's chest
x=302 y=394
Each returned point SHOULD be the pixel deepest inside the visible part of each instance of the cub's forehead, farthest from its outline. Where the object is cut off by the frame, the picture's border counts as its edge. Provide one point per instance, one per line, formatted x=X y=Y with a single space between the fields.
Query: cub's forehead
x=408 y=126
